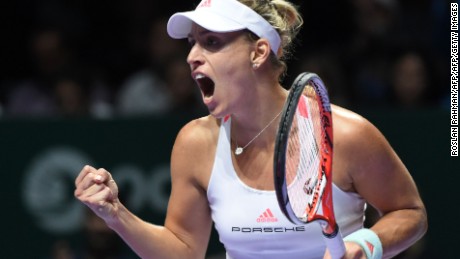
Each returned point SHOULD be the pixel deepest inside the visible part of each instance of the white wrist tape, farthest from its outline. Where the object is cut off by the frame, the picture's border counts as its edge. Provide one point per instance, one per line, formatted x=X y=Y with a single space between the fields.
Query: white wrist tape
x=368 y=240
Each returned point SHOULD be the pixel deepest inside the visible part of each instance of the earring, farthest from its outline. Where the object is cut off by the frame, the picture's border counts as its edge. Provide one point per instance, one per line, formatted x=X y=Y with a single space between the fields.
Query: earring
x=255 y=65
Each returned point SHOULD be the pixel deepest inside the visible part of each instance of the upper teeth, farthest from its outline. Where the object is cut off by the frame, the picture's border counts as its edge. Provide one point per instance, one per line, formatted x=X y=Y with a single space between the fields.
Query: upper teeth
x=199 y=76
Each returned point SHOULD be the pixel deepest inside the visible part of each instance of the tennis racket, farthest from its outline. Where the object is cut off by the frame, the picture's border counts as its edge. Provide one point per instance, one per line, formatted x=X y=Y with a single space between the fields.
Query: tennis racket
x=303 y=159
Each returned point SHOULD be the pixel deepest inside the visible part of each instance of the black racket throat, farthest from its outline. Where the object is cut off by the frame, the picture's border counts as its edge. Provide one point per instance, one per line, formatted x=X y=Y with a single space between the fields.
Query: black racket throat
x=333 y=234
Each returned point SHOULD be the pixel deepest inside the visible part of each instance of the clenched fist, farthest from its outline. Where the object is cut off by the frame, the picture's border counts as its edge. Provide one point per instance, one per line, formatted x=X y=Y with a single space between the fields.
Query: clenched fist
x=97 y=190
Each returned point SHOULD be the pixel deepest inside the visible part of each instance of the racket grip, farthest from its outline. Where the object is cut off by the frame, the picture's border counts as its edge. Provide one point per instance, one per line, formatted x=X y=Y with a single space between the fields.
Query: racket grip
x=335 y=245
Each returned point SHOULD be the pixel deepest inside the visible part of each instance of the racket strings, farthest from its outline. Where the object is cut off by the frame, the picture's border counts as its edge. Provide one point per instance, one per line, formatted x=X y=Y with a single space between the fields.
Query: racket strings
x=303 y=161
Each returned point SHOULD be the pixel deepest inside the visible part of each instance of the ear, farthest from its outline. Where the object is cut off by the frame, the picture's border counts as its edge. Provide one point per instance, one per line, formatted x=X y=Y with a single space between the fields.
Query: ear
x=261 y=52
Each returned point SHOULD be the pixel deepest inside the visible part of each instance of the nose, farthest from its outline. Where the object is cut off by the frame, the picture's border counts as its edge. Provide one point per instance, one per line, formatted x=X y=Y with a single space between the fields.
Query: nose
x=194 y=58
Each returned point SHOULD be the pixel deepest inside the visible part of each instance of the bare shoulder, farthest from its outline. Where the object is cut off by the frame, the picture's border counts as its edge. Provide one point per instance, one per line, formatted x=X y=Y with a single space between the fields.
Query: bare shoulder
x=360 y=150
x=200 y=131
x=194 y=149
x=366 y=163
x=353 y=129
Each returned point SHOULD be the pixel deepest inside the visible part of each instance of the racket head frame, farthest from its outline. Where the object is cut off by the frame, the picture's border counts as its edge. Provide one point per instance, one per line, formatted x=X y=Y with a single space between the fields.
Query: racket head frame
x=287 y=116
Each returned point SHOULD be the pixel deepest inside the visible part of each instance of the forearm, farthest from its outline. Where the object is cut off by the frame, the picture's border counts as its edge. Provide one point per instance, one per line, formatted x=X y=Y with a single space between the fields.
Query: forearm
x=398 y=230
x=148 y=240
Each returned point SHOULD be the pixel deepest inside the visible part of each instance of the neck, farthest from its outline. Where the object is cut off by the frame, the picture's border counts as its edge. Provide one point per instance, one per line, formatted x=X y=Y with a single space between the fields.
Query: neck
x=258 y=126
x=258 y=109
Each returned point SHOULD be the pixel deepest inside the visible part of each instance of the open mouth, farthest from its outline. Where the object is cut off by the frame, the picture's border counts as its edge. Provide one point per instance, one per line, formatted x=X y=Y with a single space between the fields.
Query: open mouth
x=206 y=85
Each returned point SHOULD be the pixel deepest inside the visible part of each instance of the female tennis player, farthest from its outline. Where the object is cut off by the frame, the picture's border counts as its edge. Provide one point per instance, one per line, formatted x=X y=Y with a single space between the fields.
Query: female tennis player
x=222 y=164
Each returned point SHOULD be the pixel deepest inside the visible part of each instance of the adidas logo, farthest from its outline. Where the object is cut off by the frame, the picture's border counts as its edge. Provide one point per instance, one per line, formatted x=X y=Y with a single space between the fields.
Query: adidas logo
x=267 y=216
x=371 y=247
x=205 y=3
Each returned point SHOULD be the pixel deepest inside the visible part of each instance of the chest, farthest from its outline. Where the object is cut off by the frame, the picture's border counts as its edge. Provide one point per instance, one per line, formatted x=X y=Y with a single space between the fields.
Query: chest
x=255 y=168
x=250 y=222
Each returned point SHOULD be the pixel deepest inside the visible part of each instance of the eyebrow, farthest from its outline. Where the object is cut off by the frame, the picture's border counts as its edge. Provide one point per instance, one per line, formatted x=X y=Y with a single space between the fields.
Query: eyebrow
x=200 y=33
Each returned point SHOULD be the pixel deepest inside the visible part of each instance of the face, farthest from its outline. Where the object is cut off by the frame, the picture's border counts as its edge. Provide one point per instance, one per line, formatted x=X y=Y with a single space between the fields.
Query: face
x=221 y=67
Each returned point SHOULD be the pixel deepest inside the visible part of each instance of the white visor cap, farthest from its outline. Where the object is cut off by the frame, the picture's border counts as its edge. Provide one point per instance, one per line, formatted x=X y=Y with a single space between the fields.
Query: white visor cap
x=223 y=16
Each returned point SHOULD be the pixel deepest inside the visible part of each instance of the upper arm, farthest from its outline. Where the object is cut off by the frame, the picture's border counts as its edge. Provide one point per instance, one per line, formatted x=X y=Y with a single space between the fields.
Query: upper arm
x=387 y=171
x=188 y=215
x=376 y=171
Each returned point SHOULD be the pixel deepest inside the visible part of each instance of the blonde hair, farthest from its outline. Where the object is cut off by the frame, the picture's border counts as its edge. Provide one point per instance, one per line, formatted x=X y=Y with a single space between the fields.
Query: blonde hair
x=285 y=18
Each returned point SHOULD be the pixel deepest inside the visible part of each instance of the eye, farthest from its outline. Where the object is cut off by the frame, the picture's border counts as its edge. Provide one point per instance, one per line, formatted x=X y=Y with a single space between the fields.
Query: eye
x=191 y=42
x=212 y=43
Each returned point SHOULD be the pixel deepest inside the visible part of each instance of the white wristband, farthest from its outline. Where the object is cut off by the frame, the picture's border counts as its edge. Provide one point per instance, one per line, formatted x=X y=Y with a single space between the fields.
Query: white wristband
x=368 y=240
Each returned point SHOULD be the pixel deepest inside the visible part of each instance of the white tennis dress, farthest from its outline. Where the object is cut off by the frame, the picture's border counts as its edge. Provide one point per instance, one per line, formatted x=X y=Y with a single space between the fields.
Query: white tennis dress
x=250 y=223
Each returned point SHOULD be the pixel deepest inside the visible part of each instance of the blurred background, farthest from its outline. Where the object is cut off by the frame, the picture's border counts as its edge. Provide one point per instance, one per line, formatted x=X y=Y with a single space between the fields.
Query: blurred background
x=101 y=83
